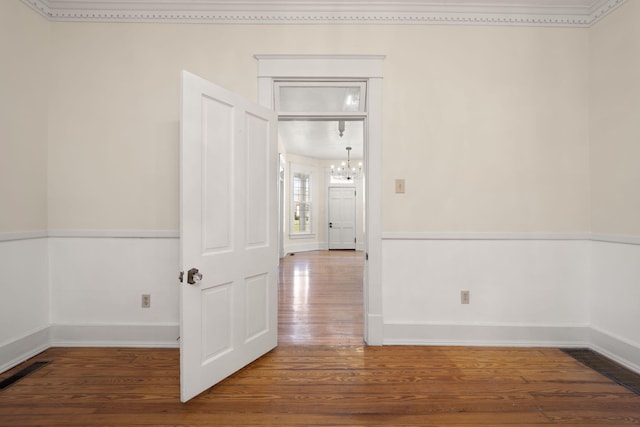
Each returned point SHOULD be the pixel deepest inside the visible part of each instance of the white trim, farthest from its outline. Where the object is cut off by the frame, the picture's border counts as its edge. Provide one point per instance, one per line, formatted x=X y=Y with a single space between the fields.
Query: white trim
x=315 y=246
x=302 y=236
x=306 y=247
x=319 y=67
x=9 y=236
x=503 y=335
x=133 y=234
x=110 y=335
x=483 y=236
x=164 y=336
x=616 y=348
x=616 y=238
x=17 y=351
x=373 y=213
x=361 y=67
x=461 y=12
x=493 y=335
x=472 y=235
x=602 y=8
x=374 y=329
x=631 y=239
x=14 y=352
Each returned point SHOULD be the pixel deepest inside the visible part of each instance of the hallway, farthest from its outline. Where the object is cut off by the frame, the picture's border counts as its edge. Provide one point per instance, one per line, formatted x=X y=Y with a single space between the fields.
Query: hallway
x=320 y=299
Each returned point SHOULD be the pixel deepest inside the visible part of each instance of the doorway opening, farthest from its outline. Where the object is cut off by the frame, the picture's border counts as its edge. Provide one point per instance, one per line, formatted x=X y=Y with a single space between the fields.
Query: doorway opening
x=322 y=140
x=322 y=199
x=352 y=71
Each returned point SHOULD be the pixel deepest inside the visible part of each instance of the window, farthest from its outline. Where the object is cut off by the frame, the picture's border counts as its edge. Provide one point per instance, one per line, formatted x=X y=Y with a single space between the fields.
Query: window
x=301 y=203
x=320 y=97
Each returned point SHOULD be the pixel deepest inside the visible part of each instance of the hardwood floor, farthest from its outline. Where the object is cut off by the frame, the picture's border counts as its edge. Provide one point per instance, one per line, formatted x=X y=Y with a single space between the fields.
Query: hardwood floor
x=321 y=374
x=321 y=299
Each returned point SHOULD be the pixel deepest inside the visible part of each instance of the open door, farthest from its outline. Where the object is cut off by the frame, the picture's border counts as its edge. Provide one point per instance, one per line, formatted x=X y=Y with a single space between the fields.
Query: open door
x=228 y=240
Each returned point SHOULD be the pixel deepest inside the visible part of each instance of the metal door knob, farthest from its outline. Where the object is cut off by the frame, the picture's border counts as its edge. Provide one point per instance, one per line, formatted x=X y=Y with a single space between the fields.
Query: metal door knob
x=194 y=276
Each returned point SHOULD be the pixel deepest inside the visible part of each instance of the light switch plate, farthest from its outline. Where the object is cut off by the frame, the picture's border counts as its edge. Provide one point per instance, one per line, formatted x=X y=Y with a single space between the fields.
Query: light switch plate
x=465 y=297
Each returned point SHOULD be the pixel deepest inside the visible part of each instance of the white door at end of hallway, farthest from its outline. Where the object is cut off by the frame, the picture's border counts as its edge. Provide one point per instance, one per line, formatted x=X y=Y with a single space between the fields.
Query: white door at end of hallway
x=342 y=218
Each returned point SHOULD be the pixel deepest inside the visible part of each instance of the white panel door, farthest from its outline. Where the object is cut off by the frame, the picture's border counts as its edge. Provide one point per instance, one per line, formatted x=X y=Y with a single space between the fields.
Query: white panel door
x=228 y=225
x=342 y=218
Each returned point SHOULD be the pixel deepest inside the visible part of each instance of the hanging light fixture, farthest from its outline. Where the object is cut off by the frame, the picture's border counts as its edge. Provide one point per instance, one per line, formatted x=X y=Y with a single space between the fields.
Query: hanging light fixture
x=345 y=170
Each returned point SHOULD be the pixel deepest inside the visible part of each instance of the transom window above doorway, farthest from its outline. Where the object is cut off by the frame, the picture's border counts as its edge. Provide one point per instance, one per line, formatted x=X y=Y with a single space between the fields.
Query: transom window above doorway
x=320 y=97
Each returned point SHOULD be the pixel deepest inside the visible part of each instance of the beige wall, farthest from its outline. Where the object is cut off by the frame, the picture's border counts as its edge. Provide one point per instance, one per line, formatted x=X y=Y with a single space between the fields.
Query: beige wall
x=488 y=125
x=24 y=82
x=615 y=122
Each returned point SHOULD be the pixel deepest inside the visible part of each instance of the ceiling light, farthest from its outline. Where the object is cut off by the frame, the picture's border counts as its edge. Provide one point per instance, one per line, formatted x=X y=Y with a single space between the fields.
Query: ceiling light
x=345 y=170
x=341 y=128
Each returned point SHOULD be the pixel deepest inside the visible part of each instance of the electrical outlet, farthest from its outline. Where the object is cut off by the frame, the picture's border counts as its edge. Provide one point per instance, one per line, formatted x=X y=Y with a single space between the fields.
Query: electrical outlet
x=146 y=300
x=464 y=297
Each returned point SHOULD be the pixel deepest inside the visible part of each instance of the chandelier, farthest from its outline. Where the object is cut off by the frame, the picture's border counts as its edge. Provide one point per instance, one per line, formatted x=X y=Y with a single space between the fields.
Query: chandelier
x=345 y=170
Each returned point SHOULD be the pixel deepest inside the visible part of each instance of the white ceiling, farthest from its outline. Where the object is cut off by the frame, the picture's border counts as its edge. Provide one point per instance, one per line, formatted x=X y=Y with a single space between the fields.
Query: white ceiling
x=581 y=13
x=320 y=139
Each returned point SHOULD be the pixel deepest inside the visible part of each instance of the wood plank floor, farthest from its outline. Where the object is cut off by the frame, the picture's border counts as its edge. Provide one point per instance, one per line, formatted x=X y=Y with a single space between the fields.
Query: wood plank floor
x=322 y=375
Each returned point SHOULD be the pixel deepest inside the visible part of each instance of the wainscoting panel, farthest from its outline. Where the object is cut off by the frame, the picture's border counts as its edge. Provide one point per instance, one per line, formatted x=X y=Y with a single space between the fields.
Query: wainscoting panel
x=615 y=298
x=100 y=280
x=523 y=291
x=24 y=299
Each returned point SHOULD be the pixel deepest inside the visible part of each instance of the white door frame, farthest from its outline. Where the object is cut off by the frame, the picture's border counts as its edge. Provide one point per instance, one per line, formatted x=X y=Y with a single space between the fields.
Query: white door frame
x=282 y=170
x=369 y=68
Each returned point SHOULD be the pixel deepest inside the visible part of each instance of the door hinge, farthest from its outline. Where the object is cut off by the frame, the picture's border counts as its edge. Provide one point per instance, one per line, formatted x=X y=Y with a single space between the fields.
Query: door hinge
x=181 y=276
x=354 y=240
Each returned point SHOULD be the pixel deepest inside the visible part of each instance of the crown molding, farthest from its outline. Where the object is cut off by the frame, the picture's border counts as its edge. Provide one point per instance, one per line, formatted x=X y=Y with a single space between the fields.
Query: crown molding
x=562 y=13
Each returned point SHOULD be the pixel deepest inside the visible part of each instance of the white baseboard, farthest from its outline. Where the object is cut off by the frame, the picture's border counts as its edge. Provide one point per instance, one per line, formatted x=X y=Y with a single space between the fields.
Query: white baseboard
x=315 y=246
x=96 y=335
x=374 y=329
x=15 y=352
x=166 y=336
x=152 y=336
x=624 y=352
x=615 y=348
x=486 y=335
x=306 y=247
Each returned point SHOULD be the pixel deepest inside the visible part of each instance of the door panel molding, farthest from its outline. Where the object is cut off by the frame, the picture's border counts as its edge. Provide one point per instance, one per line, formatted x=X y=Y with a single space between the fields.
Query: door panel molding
x=227 y=231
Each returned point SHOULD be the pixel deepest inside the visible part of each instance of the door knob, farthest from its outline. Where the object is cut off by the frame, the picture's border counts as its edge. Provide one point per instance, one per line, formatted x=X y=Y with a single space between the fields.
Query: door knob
x=330 y=225
x=194 y=276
